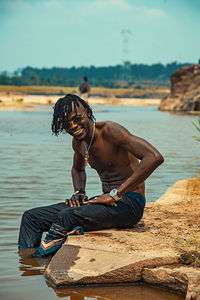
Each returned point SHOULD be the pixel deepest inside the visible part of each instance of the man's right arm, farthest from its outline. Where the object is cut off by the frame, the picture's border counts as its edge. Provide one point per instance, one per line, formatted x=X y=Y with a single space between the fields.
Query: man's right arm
x=78 y=173
x=78 y=178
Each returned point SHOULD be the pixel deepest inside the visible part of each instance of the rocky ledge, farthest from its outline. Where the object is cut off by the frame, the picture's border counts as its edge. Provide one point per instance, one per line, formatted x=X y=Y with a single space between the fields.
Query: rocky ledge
x=162 y=250
x=185 y=91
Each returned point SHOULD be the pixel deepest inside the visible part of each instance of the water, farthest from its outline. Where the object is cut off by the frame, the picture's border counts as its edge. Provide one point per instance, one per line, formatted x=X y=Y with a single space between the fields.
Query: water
x=35 y=170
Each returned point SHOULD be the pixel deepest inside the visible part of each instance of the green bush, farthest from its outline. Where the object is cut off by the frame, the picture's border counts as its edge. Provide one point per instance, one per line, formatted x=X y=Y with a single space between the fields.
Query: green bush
x=197 y=126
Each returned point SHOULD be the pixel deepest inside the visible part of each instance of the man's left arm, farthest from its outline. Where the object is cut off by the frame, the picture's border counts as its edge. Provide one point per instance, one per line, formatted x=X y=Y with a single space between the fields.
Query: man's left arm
x=150 y=158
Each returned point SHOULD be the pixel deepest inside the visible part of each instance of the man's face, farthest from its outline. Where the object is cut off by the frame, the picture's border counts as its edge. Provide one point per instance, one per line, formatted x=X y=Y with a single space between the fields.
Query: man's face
x=77 y=124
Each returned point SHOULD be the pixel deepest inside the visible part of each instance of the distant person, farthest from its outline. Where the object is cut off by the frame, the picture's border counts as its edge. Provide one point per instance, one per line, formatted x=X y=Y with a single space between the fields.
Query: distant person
x=84 y=89
x=123 y=162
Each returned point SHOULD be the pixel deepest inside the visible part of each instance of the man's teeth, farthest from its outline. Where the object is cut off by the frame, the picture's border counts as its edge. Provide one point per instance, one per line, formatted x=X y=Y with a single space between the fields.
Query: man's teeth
x=77 y=131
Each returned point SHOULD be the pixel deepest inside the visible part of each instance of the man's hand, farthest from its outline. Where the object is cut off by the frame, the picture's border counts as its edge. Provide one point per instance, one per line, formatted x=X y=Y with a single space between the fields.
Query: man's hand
x=77 y=199
x=104 y=199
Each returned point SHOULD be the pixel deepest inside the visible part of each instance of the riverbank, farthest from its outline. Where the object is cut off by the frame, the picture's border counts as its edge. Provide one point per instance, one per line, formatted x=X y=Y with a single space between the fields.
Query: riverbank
x=163 y=250
x=45 y=102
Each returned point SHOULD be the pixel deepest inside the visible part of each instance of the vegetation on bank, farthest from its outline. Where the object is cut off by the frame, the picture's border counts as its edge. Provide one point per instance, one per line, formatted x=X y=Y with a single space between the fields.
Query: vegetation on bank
x=145 y=91
x=197 y=126
x=118 y=76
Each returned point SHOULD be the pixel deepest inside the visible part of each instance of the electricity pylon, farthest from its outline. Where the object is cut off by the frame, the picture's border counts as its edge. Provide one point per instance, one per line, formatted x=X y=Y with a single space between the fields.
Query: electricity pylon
x=126 y=64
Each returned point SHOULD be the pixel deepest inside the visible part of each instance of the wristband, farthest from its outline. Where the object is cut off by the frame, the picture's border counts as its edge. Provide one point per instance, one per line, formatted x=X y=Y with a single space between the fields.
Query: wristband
x=79 y=192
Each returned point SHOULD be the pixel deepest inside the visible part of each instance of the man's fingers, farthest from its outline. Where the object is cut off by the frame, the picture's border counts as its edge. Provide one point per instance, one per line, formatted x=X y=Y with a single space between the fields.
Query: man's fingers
x=72 y=203
x=95 y=200
x=67 y=201
x=85 y=202
x=77 y=203
x=98 y=200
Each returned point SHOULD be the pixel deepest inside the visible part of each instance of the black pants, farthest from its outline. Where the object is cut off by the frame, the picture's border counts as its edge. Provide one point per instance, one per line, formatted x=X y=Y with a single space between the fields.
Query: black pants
x=127 y=212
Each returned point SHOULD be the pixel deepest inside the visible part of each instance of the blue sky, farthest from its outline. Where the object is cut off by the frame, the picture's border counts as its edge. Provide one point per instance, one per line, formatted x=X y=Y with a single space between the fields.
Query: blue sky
x=66 y=33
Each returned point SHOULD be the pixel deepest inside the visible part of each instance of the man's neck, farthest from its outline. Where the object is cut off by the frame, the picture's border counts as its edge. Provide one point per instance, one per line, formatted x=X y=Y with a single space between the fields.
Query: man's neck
x=90 y=134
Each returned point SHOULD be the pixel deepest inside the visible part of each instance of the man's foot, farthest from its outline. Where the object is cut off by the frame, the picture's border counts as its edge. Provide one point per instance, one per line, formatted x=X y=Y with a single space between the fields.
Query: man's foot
x=54 y=239
x=37 y=254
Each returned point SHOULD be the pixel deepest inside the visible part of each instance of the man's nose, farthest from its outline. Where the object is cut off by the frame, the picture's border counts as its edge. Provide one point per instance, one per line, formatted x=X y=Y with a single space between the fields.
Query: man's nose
x=73 y=125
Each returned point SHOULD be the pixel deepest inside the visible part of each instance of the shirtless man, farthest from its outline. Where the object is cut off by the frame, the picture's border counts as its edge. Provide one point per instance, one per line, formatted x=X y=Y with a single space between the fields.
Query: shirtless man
x=84 y=89
x=123 y=162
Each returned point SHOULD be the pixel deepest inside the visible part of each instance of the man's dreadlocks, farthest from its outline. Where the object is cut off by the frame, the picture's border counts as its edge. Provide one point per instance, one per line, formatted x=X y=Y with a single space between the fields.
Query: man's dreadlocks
x=63 y=107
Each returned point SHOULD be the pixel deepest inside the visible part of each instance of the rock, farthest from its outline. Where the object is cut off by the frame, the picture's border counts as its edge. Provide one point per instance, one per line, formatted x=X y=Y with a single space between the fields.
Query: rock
x=193 y=291
x=79 y=265
x=185 y=91
x=181 y=279
x=165 y=277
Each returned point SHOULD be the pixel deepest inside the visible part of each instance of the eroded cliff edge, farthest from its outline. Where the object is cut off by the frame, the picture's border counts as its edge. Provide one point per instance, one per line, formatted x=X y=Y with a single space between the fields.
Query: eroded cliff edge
x=150 y=252
x=185 y=91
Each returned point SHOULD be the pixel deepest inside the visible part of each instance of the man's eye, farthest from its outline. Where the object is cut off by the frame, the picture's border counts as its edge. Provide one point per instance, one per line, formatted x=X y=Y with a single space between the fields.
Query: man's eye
x=77 y=120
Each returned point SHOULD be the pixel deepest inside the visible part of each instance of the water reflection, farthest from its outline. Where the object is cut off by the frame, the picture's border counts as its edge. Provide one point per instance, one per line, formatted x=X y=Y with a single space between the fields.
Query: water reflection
x=125 y=292
x=30 y=266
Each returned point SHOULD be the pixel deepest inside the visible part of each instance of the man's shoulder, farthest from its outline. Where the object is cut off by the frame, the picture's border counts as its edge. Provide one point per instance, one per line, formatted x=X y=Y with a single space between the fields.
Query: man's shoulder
x=108 y=128
x=106 y=125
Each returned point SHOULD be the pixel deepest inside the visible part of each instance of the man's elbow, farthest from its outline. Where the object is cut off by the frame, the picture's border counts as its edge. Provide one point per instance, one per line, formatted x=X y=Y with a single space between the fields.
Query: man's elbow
x=159 y=159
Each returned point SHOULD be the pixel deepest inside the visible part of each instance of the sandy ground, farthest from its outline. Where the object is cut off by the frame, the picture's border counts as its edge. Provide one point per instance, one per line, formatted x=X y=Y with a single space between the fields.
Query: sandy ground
x=43 y=102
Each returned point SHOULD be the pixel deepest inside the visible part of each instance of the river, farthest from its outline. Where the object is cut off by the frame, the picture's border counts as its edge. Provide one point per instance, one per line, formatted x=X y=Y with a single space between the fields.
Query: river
x=35 y=171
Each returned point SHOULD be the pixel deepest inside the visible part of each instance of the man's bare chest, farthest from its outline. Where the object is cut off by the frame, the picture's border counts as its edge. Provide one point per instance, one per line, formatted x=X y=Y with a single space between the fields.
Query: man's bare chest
x=106 y=155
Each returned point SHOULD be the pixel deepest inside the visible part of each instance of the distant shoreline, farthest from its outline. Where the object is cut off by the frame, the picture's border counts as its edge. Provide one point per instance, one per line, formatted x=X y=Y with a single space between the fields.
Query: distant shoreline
x=44 y=102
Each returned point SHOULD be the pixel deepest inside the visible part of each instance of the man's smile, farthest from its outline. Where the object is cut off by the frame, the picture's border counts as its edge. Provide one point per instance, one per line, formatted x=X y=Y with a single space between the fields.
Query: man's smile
x=78 y=131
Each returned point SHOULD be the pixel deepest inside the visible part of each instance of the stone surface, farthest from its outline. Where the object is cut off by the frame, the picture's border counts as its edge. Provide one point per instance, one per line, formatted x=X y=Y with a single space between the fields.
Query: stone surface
x=185 y=91
x=169 y=228
x=181 y=279
x=166 y=277
x=193 y=291
x=78 y=265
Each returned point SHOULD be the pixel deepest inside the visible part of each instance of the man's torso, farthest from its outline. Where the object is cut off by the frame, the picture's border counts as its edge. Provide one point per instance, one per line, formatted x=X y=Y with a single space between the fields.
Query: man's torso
x=112 y=163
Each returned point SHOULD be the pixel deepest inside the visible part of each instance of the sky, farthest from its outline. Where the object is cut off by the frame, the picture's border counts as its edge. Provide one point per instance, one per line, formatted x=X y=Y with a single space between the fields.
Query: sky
x=67 y=33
